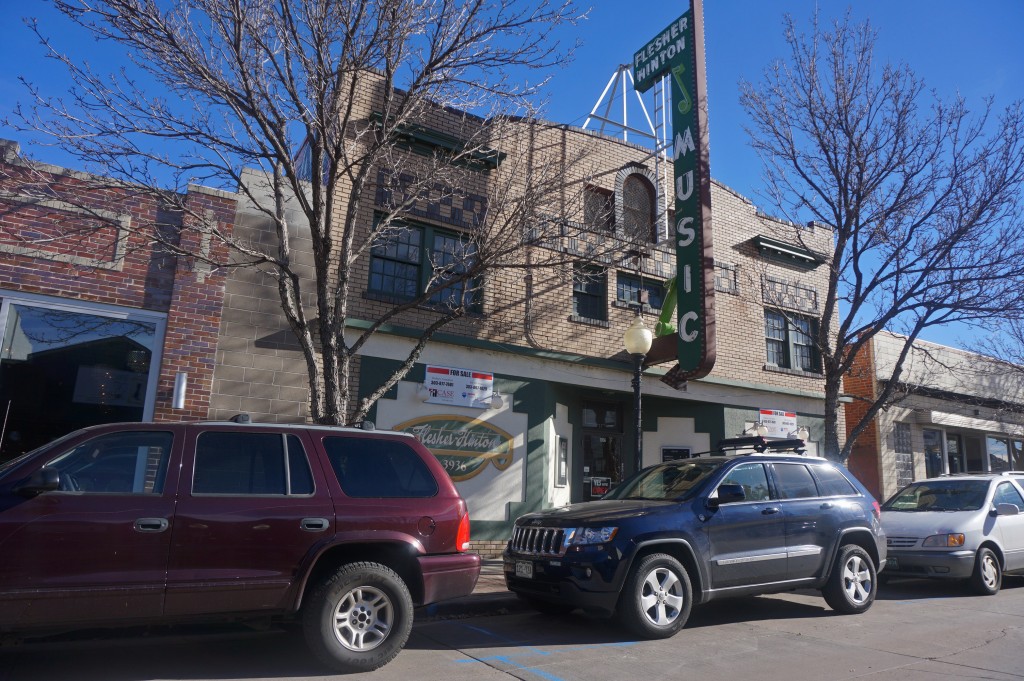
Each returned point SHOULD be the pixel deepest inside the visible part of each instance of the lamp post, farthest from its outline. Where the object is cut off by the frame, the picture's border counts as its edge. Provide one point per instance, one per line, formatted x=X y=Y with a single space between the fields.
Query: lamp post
x=637 y=339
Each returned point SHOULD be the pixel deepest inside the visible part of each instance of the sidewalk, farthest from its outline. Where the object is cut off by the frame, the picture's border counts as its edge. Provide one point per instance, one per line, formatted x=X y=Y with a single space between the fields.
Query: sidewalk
x=490 y=597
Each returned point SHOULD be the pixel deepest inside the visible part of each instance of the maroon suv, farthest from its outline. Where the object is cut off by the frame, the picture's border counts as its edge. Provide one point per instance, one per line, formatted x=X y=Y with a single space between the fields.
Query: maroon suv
x=157 y=522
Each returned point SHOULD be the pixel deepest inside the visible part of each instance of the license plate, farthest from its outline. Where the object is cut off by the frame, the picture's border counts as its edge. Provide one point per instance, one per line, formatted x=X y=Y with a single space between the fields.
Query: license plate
x=892 y=564
x=524 y=568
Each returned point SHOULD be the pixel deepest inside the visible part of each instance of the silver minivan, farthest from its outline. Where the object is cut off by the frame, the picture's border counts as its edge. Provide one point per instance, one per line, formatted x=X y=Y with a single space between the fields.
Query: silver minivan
x=957 y=527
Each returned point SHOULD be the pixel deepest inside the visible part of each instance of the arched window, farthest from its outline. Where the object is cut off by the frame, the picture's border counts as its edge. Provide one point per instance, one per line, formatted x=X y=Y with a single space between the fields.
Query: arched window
x=638 y=208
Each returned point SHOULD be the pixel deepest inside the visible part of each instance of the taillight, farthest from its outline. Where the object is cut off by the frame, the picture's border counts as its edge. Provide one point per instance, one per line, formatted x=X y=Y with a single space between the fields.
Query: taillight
x=462 y=536
x=877 y=510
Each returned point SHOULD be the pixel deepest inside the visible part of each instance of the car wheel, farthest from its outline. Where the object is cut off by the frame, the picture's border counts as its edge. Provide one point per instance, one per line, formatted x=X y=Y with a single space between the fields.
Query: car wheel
x=987 y=576
x=852 y=585
x=359 y=618
x=656 y=599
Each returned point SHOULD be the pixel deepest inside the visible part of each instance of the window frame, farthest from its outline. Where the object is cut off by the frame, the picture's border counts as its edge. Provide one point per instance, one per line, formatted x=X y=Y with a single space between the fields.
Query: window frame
x=591 y=195
x=427 y=257
x=652 y=286
x=788 y=345
x=584 y=276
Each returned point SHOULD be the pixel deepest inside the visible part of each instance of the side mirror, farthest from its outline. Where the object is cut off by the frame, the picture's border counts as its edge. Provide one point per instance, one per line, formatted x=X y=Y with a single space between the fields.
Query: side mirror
x=1007 y=509
x=727 y=493
x=46 y=479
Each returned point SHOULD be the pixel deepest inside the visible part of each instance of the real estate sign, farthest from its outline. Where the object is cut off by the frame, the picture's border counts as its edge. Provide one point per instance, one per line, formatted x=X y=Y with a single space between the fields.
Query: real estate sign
x=678 y=51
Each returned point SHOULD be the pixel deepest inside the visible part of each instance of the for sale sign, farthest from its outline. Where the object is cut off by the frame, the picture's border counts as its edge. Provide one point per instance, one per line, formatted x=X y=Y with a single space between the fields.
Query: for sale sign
x=460 y=387
x=778 y=423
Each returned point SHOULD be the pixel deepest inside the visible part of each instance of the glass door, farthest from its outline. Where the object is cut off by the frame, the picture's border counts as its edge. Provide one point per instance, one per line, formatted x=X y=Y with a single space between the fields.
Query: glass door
x=602 y=448
x=955 y=453
x=974 y=454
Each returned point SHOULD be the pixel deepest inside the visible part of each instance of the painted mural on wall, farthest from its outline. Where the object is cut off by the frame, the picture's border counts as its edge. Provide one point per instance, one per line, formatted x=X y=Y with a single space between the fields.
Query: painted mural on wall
x=462 y=444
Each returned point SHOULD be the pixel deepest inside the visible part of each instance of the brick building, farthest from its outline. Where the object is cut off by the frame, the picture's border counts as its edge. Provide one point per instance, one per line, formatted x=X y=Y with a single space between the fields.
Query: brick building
x=954 y=412
x=96 y=323
x=559 y=426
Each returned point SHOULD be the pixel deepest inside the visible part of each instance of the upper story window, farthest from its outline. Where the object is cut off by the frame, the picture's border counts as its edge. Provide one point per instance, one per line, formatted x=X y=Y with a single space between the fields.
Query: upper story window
x=598 y=208
x=589 y=299
x=789 y=341
x=639 y=205
x=629 y=286
x=412 y=259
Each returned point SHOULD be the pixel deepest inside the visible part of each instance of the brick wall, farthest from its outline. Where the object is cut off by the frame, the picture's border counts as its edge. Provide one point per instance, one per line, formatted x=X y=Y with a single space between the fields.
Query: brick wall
x=864 y=461
x=75 y=236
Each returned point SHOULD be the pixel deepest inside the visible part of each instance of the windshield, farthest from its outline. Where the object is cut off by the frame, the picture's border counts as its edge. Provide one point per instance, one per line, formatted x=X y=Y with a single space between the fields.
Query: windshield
x=940 y=495
x=8 y=466
x=666 y=481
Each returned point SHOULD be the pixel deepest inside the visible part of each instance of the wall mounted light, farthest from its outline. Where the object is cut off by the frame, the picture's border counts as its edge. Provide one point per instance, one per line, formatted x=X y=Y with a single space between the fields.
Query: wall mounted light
x=180 y=385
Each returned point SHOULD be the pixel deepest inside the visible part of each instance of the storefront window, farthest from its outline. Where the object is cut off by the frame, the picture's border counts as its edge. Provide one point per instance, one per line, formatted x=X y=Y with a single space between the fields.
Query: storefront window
x=1017 y=454
x=63 y=368
x=998 y=453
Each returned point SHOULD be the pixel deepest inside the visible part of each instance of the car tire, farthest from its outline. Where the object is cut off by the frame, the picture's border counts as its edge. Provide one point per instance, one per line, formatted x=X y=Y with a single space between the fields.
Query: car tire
x=359 y=618
x=656 y=598
x=852 y=585
x=987 y=577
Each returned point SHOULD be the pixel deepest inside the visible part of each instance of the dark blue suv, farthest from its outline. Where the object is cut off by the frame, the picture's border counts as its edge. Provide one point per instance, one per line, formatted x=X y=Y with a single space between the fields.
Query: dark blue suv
x=699 y=529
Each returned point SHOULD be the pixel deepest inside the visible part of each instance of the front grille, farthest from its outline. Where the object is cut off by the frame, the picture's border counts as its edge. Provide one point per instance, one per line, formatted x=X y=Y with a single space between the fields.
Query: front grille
x=900 y=542
x=540 y=541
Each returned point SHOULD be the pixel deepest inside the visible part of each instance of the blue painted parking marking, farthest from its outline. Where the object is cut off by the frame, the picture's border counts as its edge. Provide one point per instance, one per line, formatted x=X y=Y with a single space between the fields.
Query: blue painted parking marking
x=512 y=659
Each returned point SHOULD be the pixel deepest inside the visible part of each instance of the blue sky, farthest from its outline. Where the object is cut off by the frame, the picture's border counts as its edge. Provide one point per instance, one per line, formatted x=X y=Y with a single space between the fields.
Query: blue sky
x=968 y=47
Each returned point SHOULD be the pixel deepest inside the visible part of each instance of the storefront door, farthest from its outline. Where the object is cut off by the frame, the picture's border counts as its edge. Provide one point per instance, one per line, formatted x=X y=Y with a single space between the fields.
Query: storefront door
x=602 y=449
x=975 y=454
x=955 y=453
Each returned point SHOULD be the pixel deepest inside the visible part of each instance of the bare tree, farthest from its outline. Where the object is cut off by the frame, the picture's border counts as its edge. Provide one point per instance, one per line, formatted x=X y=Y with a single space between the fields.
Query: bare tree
x=924 y=197
x=218 y=88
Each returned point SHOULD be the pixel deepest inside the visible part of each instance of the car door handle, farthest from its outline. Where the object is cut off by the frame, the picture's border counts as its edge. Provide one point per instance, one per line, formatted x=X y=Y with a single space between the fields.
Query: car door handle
x=151 y=524
x=314 y=524
x=770 y=510
x=827 y=505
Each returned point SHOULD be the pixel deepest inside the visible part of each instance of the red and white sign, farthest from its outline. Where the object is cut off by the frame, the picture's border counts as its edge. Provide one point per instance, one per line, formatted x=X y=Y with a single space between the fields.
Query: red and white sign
x=778 y=423
x=459 y=387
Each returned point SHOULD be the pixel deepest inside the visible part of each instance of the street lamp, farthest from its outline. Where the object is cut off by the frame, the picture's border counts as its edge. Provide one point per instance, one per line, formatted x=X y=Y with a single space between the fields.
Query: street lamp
x=637 y=339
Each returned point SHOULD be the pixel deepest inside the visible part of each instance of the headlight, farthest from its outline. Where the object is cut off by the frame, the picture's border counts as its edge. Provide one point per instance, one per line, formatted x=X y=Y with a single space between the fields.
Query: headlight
x=946 y=540
x=593 y=535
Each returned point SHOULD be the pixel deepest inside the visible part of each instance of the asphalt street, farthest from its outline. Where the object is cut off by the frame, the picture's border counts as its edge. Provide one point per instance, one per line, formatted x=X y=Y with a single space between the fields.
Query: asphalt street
x=916 y=630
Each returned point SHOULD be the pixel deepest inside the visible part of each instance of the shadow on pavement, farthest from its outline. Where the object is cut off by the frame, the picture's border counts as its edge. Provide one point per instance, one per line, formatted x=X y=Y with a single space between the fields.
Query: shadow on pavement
x=906 y=589
x=227 y=652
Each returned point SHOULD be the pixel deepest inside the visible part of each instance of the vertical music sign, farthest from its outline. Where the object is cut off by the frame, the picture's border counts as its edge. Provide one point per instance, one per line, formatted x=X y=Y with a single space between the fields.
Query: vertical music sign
x=678 y=51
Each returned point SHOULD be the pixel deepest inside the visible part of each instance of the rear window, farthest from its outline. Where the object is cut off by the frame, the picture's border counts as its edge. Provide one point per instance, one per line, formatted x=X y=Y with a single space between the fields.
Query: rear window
x=832 y=482
x=377 y=468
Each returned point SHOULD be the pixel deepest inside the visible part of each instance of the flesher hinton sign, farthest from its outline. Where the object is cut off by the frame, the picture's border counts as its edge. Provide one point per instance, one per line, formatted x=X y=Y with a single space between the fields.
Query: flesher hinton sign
x=678 y=50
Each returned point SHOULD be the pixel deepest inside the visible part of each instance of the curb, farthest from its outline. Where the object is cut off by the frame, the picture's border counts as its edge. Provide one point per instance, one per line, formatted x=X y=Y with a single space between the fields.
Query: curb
x=474 y=605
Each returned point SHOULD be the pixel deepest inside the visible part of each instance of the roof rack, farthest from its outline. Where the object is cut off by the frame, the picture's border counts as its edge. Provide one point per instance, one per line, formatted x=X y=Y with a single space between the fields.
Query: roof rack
x=762 y=444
